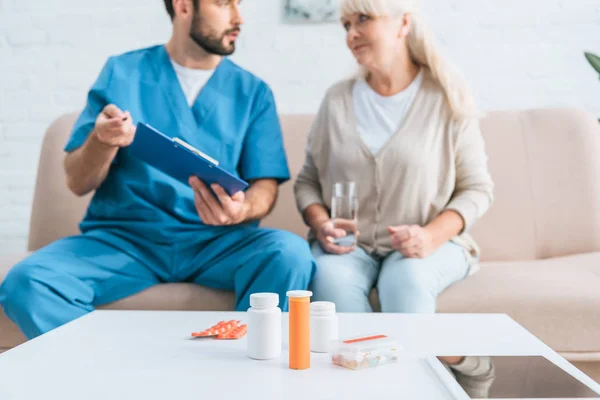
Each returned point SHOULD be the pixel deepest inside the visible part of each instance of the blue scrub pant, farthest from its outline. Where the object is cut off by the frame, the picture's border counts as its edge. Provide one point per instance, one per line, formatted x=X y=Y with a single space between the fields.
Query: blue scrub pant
x=68 y=278
x=404 y=285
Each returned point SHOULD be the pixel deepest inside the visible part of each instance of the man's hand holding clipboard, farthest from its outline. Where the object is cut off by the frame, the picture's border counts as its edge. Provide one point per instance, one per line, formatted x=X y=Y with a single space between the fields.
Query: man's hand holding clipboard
x=223 y=210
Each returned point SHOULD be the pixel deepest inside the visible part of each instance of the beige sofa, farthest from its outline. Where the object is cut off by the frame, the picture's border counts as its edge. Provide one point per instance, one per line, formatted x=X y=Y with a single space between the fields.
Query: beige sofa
x=540 y=240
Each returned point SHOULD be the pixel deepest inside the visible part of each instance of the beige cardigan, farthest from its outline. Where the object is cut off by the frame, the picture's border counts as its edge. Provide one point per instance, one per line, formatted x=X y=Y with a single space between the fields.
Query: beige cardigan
x=429 y=165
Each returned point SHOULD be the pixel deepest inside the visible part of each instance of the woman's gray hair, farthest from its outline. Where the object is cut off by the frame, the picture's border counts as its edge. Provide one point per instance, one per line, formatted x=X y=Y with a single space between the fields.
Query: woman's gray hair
x=422 y=49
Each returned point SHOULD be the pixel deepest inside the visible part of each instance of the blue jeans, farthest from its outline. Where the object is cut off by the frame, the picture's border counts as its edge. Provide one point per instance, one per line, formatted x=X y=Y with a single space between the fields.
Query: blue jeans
x=68 y=278
x=405 y=285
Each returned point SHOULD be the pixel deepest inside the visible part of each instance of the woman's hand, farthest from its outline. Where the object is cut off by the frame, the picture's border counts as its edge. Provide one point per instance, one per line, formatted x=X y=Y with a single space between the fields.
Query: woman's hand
x=412 y=241
x=326 y=235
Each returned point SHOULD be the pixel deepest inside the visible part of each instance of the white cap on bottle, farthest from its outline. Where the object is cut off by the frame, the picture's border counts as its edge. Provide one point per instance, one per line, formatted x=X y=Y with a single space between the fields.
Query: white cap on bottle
x=322 y=308
x=299 y=293
x=264 y=300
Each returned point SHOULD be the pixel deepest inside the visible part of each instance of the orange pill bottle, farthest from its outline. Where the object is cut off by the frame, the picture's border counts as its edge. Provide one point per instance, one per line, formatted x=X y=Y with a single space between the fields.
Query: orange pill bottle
x=299 y=314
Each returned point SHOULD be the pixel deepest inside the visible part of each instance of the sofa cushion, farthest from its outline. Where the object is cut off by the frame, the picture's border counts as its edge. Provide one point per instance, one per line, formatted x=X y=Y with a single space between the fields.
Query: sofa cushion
x=546 y=172
x=60 y=217
x=558 y=300
x=285 y=215
x=177 y=296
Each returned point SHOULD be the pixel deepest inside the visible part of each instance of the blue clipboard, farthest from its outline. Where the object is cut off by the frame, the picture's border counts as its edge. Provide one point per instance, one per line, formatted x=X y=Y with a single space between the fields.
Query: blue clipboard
x=180 y=160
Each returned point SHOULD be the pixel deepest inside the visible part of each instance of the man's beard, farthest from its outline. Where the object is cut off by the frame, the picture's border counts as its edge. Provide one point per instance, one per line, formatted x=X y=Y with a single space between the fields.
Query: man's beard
x=211 y=42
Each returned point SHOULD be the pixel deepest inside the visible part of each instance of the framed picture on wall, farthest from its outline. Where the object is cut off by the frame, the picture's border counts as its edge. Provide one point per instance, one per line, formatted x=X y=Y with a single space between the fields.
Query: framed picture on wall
x=312 y=10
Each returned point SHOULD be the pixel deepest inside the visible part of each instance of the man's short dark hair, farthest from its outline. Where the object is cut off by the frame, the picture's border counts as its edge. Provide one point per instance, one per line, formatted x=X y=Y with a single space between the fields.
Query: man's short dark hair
x=171 y=11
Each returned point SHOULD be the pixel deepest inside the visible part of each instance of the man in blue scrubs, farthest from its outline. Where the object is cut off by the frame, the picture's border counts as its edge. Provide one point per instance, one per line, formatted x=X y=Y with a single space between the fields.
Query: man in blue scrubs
x=144 y=227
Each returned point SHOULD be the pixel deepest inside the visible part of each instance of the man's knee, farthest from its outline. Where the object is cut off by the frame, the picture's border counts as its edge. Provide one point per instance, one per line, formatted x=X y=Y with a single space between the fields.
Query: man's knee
x=18 y=283
x=291 y=253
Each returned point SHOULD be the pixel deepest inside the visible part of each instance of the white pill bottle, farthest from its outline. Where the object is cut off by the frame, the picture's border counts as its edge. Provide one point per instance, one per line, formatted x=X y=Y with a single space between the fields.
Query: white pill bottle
x=323 y=326
x=264 y=327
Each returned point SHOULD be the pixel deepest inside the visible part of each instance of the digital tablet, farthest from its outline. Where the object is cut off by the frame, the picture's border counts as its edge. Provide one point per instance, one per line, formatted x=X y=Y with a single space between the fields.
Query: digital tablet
x=511 y=377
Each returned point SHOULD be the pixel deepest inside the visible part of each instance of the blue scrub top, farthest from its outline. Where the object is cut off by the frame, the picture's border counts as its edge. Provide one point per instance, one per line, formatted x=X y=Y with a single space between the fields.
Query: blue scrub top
x=234 y=120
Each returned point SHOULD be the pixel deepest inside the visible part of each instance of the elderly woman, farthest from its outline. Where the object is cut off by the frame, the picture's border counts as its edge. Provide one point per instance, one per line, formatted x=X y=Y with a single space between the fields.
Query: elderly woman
x=405 y=131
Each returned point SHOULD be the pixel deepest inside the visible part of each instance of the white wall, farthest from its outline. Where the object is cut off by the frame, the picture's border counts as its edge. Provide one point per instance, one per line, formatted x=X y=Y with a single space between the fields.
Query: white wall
x=52 y=50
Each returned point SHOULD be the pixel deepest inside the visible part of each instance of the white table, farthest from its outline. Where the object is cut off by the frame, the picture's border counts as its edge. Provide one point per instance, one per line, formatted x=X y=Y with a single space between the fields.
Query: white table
x=149 y=355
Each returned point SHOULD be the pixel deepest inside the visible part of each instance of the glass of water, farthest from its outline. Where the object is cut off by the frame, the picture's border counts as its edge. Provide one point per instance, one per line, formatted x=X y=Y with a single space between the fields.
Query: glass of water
x=344 y=212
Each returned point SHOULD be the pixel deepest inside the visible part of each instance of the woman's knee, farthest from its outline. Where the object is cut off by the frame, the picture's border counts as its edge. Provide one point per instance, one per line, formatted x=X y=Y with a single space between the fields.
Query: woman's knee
x=407 y=286
x=326 y=280
x=342 y=284
x=408 y=274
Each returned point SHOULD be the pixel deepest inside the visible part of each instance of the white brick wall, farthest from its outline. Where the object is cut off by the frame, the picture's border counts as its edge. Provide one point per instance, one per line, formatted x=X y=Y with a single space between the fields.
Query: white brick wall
x=52 y=50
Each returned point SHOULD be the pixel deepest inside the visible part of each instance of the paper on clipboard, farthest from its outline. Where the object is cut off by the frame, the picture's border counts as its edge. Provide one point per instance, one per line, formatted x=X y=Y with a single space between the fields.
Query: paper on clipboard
x=195 y=150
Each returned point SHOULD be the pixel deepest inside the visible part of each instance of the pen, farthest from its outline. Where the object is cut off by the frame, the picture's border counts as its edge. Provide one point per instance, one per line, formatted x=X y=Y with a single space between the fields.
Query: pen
x=125 y=118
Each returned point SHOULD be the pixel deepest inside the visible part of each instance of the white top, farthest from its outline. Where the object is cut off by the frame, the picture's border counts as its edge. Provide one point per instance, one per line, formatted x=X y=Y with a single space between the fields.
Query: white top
x=379 y=117
x=322 y=308
x=150 y=355
x=191 y=80
x=264 y=300
x=299 y=293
